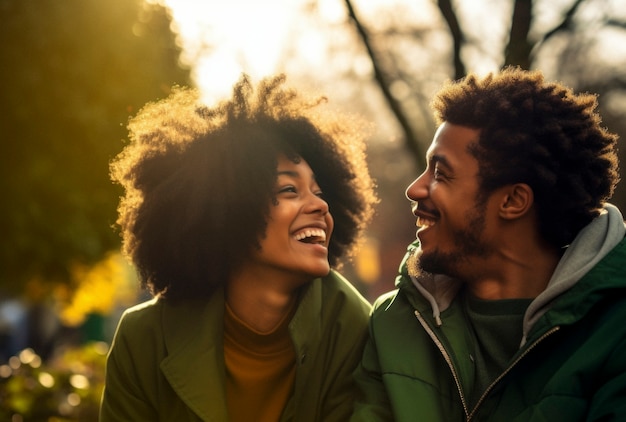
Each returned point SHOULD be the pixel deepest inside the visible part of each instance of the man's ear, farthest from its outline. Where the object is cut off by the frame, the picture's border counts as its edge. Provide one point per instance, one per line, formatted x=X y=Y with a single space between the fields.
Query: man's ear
x=517 y=200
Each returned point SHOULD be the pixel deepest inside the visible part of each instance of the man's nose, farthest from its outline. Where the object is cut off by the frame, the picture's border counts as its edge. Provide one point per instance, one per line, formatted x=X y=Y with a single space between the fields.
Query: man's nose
x=418 y=189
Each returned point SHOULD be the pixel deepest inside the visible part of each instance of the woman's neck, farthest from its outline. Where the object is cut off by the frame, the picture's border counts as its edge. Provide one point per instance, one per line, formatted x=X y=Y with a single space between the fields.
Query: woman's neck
x=261 y=305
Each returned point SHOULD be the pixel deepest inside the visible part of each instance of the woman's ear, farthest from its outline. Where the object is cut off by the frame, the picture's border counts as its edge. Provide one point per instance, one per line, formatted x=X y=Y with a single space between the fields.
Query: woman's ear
x=517 y=200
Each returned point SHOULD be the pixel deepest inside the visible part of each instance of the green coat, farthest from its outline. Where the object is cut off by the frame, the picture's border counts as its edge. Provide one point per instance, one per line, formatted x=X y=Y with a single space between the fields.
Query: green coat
x=571 y=367
x=166 y=362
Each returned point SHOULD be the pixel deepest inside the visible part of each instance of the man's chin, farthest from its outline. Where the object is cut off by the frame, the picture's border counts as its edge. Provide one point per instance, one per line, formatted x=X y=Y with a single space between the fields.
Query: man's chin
x=421 y=265
x=415 y=265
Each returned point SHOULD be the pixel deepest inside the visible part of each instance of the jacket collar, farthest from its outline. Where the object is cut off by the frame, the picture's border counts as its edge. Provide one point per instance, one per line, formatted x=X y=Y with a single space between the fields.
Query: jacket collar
x=194 y=366
x=305 y=327
x=194 y=335
x=434 y=292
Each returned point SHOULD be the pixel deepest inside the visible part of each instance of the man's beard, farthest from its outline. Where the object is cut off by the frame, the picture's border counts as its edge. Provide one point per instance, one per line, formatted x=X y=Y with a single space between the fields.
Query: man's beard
x=468 y=243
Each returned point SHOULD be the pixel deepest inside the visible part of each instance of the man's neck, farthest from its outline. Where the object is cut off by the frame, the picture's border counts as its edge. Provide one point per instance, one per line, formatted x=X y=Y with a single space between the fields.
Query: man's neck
x=515 y=273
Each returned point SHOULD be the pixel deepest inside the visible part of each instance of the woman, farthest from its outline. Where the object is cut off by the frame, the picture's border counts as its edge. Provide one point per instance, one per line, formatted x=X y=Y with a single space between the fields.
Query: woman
x=234 y=216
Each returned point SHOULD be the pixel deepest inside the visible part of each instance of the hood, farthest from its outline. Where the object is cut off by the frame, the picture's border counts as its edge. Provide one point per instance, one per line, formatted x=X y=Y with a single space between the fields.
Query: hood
x=437 y=290
x=589 y=247
x=592 y=244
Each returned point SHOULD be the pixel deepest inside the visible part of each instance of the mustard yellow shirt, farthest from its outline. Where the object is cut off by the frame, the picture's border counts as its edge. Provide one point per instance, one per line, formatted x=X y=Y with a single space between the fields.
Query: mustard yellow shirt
x=260 y=369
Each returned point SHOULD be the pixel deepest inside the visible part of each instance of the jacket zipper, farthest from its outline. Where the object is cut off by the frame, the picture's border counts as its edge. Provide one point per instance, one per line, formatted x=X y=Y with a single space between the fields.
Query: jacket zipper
x=446 y=357
x=457 y=381
x=508 y=369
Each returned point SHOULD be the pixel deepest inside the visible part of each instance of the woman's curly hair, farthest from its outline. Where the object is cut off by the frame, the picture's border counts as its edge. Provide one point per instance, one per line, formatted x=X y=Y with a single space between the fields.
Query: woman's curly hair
x=539 y=133
x=199 y=180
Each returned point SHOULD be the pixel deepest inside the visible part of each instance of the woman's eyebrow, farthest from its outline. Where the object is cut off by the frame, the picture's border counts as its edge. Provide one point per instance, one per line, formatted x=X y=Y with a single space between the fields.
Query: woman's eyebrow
x=291 y=173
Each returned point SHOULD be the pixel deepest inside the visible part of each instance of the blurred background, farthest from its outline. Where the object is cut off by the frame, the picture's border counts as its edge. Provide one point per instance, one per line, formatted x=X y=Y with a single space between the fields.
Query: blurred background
x=74 y=71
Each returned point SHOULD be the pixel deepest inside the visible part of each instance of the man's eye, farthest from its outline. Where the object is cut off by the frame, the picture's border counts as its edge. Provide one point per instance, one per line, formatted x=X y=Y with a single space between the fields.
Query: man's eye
x=438 y=174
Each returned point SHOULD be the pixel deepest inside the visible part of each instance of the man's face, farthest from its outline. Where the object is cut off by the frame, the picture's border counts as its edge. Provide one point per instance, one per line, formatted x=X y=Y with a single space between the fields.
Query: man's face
x=450 y=216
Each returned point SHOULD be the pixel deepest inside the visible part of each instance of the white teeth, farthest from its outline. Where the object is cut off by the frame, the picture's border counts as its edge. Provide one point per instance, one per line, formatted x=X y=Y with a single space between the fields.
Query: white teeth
x=424 y=222
x=311 y=233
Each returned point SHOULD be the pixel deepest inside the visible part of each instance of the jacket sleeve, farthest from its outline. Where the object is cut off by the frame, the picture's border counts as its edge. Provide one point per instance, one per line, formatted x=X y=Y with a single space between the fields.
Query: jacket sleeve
x=608 y=402
x=372 y=403
x=124 y=398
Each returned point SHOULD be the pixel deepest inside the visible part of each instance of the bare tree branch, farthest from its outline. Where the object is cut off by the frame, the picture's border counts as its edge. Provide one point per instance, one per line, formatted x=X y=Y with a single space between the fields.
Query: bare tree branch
x=565 y=25
x=411 y=139
x=518 y=50
x=616 y=23
x=445 y=6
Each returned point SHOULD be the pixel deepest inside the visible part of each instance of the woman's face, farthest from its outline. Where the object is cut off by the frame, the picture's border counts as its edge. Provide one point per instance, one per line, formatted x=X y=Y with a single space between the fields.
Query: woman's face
x=298 y=228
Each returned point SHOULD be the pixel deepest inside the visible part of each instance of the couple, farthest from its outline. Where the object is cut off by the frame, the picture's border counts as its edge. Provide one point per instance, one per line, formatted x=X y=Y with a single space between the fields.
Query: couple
x=510 y=303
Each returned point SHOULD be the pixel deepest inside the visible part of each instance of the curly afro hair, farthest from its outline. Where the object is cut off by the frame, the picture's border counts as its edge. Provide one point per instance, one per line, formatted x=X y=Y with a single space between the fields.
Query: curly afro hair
x=541 y=134
x=199 y=180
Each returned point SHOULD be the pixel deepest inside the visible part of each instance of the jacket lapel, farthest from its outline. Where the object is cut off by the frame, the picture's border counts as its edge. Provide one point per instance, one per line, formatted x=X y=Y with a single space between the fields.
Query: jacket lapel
x=194 y=366
x=306 y=330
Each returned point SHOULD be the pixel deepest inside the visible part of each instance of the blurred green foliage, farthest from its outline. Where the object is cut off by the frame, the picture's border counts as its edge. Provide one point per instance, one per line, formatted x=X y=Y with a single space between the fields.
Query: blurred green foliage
x=68 y=388
x=72 y=73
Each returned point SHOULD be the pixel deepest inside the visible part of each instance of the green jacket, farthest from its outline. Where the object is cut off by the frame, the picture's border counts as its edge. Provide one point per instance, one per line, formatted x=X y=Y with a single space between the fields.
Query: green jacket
x=571 y=365
x=166 y=362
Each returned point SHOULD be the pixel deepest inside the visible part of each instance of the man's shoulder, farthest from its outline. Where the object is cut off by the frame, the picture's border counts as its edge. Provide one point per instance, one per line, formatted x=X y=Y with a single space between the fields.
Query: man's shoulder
x=389 y=301
x=607 y=275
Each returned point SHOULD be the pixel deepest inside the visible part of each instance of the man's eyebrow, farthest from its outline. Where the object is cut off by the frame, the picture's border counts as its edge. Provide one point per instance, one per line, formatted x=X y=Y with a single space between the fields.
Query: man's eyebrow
x=441 y=160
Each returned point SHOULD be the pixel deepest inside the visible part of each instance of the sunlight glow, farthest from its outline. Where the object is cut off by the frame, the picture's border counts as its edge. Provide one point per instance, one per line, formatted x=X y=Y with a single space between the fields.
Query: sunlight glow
x=224 y=39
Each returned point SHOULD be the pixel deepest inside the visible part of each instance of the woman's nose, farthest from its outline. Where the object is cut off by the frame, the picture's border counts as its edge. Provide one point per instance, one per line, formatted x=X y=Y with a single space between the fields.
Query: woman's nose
x=318 y=204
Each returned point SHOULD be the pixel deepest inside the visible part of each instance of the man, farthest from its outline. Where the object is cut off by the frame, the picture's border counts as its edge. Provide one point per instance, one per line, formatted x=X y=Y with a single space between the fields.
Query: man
x=511 y=303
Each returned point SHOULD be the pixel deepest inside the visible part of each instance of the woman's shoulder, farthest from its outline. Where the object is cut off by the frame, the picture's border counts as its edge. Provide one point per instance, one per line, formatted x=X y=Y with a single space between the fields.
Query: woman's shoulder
x=146 y=307
x=340 y=292
x=142 y=314
x=335 y=282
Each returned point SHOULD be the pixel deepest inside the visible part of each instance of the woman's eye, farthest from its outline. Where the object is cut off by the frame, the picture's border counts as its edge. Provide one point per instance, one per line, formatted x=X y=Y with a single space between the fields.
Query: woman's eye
x=438 y=174
x=287 y=189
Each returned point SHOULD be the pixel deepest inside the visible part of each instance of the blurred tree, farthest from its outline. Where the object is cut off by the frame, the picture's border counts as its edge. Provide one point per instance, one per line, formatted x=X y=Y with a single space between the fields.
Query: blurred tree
x=571 y=40
x=73 y=71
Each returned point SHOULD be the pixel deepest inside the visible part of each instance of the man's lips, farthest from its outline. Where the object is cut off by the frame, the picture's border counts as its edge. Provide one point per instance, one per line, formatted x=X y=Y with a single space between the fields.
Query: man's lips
x=425 y=218
x=424 y=222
